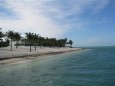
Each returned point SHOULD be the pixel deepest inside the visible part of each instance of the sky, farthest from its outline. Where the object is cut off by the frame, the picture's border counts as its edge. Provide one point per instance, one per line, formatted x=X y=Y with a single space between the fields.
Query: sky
x=86 y=22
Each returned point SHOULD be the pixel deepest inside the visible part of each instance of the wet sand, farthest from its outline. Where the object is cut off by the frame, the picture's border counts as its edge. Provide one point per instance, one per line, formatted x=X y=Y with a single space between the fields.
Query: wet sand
x=22 y=54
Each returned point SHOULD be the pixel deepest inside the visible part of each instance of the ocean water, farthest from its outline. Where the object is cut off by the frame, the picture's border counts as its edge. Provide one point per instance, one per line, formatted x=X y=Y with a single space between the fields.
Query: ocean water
x=90 y=67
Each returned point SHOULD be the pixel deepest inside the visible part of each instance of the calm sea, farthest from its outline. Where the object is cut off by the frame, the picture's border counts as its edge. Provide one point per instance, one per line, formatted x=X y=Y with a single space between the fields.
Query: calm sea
x=90 y=67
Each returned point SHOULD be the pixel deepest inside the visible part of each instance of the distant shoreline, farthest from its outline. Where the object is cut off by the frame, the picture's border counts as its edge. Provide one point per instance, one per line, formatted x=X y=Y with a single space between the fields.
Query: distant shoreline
x=29 y=56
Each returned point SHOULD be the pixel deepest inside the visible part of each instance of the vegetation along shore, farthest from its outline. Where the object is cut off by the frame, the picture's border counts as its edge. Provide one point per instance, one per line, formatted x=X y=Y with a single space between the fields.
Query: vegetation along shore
x=14 y=47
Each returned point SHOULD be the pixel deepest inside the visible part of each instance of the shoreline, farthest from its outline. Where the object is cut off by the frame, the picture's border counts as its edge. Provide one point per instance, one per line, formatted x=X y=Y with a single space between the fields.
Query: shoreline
x=13 y=59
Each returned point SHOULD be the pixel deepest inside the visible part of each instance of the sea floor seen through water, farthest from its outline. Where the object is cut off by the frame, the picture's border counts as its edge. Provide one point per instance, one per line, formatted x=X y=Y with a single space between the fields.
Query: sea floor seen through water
x=90 y=67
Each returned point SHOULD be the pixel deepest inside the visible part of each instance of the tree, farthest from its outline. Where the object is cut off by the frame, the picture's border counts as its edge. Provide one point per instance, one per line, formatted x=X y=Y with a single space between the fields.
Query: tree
x=70 y=42
x=1 y=34
x=17 y=37
x=4 y=43
x=35 y=39
x=30 y=39
x=10 y=35
x=41 y=41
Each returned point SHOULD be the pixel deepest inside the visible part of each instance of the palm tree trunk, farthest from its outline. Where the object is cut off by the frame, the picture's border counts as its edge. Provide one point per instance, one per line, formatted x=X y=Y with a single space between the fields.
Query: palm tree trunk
x=30 y=48
x=16 y=45
x=11 y=46
x=40 y=46
x=35 y=47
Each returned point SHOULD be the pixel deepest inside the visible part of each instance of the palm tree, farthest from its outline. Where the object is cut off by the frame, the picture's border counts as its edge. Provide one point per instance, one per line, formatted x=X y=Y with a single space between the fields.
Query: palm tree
x=35 y=39
x=17 y=37
x=70 y=42
x=1 y=34
x=10 y=35
x=29 y=38
x=65 y=41
x=41 y=41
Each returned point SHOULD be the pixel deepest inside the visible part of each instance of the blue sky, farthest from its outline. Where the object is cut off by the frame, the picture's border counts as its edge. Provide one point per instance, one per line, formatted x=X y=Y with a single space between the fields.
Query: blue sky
x=86 y=22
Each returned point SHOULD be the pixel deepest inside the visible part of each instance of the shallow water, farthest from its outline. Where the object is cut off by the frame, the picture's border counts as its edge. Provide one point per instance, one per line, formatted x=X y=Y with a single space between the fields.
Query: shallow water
x=91 y=67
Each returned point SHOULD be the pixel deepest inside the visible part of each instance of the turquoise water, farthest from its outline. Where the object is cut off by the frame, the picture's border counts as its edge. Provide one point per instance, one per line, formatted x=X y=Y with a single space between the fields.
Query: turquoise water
x=91 y=67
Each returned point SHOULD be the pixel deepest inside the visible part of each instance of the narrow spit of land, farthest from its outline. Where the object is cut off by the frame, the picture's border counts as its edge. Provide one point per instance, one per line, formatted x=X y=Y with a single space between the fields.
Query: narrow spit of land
x=22 y=54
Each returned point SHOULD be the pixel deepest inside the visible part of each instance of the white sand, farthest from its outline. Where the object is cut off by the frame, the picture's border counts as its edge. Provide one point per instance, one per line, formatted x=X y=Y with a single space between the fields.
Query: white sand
x=22 y=53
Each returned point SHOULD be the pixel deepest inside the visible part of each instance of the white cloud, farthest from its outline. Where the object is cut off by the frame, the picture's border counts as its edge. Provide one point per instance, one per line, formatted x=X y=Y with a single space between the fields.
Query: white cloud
x=74 y=7
x=101 y=4
x=47 y=17
x=30 y=19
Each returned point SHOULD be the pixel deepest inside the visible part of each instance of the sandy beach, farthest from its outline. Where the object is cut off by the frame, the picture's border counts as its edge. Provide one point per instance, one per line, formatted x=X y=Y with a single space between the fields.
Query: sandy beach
x=22 y=54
